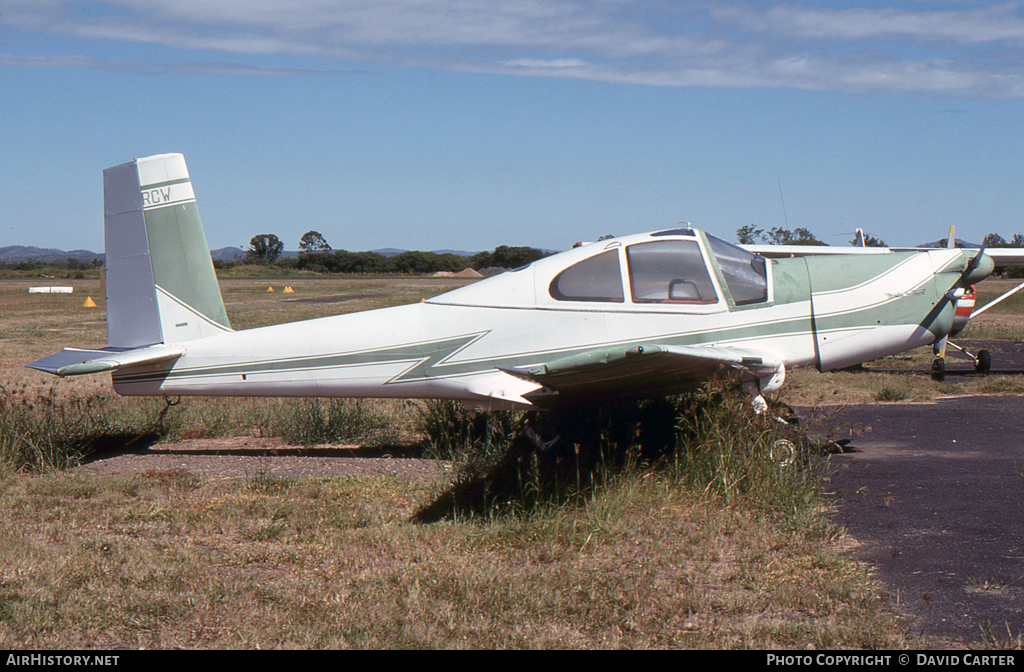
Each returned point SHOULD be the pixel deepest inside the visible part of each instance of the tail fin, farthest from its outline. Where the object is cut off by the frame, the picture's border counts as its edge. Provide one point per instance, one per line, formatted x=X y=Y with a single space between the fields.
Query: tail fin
x=161 y=286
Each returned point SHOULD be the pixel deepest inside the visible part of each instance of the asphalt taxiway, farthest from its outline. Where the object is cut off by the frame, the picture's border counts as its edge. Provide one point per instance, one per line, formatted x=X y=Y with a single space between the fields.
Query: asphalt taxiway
x=934 y=493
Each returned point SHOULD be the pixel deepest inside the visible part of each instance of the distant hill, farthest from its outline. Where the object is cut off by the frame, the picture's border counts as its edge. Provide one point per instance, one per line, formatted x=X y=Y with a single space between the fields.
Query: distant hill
x=16 y=253
x=459 y=253
x=959 y=243
x=227 y=254
x=392 y=251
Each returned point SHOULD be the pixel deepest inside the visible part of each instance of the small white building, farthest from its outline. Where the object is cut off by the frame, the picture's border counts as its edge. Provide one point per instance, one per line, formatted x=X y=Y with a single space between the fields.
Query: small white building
x=51 y=290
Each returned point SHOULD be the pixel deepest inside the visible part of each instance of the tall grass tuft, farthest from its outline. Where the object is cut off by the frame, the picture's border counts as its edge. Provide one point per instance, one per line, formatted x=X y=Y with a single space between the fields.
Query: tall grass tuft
x=710 y=442
x=728 y=452
x=52 y=428
x=315 y=421
x=48 y=430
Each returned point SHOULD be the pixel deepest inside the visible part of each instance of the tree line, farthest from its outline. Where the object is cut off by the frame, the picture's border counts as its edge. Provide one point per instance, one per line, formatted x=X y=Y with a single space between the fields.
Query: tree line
x=316 y=254
x=751 y=235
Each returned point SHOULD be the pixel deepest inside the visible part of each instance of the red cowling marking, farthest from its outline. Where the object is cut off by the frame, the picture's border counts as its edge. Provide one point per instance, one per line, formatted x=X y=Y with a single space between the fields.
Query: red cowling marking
x=964 y=308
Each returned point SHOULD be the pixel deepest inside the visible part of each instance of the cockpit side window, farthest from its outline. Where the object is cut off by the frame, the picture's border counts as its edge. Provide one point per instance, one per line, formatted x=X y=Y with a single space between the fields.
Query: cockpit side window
x=597 y=278
x=669 y=271
x=744 y=273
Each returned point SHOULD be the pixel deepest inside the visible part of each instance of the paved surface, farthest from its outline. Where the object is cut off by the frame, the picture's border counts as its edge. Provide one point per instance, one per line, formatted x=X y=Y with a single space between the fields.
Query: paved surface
x=935 y=494
x=245 y=457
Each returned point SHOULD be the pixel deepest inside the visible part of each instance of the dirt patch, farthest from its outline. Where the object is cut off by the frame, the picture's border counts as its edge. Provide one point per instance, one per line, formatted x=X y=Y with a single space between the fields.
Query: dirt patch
x=244 y=457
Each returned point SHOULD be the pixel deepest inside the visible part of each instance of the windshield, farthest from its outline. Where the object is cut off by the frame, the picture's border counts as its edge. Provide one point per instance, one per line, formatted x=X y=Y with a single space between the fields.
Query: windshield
x=744 y=273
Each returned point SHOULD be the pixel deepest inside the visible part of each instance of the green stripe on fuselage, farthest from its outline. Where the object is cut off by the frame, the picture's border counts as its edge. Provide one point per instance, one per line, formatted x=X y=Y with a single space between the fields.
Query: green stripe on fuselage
x=425 y=357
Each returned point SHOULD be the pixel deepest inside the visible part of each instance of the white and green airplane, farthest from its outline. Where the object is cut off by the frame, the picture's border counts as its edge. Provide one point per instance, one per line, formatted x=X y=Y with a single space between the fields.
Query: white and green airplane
x=637 y=316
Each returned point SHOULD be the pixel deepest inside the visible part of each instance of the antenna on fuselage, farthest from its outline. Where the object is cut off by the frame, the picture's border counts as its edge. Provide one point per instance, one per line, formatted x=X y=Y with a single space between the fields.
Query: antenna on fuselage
x=783 y=204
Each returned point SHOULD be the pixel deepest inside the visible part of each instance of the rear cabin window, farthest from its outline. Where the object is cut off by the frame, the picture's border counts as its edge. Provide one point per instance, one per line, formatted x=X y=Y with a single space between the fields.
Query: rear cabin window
x=744 y=273
x=595 y=279
x=669 y=271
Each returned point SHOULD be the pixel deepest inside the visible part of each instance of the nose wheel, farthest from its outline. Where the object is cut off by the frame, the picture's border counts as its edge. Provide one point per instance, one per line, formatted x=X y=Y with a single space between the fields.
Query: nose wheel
x=982 y=360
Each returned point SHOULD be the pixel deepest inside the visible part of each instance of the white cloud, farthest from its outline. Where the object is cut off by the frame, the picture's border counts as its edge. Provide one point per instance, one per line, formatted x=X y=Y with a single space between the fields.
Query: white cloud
x=967 y=52
x=997 y=23
x=542 y=64
x=142 y=67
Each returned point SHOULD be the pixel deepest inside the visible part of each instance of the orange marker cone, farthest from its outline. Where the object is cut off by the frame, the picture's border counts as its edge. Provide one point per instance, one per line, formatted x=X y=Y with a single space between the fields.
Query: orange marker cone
x=289 y=290
x=270 y=290
x=89 y=303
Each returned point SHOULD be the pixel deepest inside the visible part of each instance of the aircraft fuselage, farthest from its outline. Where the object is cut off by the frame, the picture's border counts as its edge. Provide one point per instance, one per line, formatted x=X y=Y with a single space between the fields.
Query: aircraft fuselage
x=825 y=312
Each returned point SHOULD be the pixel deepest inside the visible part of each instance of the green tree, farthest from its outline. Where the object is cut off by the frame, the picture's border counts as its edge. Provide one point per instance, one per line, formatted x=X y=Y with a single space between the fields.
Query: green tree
x=869 y=241
x=312 y=242
x=798 y=236
x=504 y=256
x=264 y=248
x=749 y=235
x=802 y=236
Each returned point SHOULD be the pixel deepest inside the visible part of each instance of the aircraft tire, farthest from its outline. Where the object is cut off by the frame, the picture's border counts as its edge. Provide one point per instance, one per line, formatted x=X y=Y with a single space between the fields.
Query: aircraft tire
x=939 y=369
x=984 y=364
x=783 y=453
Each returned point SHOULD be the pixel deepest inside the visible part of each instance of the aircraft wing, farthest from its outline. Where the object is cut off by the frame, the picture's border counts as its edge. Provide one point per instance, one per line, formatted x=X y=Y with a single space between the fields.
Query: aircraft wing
x=1002 y=256
x=75 y=362
x=1006 y=256
x=784 y=251
x=646 y=370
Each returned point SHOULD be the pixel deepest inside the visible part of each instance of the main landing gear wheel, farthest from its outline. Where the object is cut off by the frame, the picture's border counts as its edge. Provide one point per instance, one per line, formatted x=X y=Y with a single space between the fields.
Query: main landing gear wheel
x=783 y=453
x=939 y=369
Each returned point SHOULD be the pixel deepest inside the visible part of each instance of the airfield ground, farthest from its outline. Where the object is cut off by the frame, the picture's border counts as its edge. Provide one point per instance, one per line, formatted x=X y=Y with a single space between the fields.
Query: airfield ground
x=232 y=538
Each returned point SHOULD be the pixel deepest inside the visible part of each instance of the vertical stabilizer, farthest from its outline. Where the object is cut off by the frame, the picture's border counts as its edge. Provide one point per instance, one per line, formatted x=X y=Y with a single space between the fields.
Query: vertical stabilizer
x=161 y=286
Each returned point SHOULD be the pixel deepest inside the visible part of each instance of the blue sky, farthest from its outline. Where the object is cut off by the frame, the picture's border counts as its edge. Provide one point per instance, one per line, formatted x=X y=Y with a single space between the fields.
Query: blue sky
x=423 y=124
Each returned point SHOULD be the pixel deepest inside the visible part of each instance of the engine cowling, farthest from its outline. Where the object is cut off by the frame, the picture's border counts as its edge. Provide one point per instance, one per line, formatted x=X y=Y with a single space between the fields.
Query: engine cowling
x=964 y=308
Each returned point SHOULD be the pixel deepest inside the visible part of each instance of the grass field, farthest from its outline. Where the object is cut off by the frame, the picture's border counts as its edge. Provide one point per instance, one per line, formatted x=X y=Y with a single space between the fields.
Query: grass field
x=734 y=554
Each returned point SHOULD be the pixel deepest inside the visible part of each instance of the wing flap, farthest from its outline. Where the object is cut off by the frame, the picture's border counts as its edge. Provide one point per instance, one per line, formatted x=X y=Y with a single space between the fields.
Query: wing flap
x=76 y=361
x=647 y=370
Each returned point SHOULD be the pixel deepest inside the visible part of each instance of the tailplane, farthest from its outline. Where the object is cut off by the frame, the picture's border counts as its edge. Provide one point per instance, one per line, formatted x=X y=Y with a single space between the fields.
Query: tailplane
x=161 y=286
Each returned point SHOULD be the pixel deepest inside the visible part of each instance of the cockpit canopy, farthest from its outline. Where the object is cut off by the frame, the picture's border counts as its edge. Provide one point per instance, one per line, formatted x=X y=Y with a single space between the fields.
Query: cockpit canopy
x=668 y=270
x=677 y=267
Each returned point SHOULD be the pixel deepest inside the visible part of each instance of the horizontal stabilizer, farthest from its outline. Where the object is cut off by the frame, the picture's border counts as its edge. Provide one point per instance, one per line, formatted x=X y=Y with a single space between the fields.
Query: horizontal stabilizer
x=75 y=362
x=647 y=370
